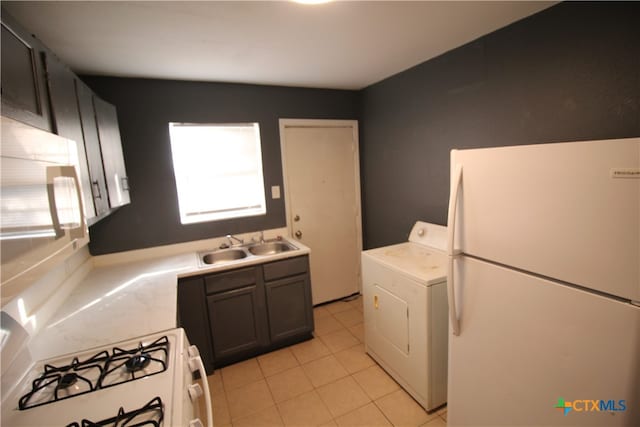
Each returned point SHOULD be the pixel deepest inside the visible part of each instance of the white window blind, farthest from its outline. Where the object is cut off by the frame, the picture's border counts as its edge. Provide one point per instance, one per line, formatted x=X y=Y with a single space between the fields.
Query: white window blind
x=218 y=170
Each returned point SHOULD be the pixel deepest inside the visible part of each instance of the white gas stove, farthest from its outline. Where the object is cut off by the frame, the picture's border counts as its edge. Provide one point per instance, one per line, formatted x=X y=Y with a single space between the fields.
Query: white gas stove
x=139 y=382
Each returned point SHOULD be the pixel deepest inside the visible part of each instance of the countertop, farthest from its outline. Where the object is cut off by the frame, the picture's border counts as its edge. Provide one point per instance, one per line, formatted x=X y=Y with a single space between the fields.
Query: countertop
x=122 y=299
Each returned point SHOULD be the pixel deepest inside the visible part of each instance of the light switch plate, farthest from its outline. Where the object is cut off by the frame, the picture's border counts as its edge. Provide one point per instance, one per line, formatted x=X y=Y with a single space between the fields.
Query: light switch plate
x=275 y=191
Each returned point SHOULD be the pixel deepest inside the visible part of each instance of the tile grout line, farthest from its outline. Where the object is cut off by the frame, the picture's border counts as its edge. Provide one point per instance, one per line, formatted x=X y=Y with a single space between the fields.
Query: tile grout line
x=273 y=398
x=315 y=389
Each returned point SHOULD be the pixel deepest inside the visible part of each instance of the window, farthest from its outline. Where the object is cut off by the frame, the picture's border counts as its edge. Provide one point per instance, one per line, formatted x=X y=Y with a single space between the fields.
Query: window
x=218 y=169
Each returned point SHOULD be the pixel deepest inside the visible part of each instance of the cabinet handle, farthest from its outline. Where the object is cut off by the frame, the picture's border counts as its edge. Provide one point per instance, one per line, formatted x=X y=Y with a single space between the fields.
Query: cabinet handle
x=74 y=224
x=125 y=183
x=375 y=301
x=96 y=190
x=298 y=234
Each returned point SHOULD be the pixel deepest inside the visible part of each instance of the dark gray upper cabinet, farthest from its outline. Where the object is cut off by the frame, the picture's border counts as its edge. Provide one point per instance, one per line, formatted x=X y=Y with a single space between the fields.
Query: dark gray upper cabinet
x=92 y=148
x=38 y=89
x=24 y=90
x=112 y=157
x=65 y=113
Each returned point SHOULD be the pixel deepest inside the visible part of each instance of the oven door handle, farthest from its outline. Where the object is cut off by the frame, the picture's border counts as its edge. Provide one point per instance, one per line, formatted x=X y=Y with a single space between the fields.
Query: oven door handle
x=197 y=361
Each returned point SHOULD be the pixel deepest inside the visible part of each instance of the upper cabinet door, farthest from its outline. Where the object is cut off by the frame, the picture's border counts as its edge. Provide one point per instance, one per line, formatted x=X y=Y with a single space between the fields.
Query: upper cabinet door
x=92 y=147
x=112 y=157
x=24 y=91
x=66 y=119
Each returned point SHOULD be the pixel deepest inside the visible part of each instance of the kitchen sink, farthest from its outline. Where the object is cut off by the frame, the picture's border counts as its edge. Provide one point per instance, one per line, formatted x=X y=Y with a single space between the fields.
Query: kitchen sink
x=270 y=248
x=223 y=256
x=248 y=251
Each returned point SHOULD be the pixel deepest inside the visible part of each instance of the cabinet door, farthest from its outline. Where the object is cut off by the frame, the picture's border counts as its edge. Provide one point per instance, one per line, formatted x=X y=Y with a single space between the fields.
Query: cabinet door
x=24 y=92
x=289 y=307
x=237 y=326
x=66 y=120
x=112 y=157
x=92 y=147
x=193 y=317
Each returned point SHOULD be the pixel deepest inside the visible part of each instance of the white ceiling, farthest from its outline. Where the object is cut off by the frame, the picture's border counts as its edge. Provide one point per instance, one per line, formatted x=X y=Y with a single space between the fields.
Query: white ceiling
x=342 y=45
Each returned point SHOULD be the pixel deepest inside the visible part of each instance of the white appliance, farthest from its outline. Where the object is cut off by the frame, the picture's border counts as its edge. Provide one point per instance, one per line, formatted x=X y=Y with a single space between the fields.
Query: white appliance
x=144 y=381
x=544 y=285
x=405 y=312
x=41 y=212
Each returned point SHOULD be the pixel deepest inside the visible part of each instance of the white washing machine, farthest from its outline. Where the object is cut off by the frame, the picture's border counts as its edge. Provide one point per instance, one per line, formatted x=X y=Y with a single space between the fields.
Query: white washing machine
x=405 y=312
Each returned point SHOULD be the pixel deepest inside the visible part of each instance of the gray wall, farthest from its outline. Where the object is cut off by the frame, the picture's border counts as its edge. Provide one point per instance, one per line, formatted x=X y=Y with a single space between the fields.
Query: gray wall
x=571 y=72
x=145 y=107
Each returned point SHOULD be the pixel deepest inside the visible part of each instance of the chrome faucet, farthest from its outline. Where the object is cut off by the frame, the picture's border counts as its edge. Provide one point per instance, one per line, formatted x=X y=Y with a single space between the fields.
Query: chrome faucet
x=232 y=238
x=260 y=239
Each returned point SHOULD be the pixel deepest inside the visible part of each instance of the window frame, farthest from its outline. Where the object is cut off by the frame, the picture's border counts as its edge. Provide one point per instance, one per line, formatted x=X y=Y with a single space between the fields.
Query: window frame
x=188 y=216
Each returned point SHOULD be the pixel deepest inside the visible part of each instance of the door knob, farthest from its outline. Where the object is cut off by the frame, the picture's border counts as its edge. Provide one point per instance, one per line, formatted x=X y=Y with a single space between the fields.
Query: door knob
x=296 y=218
x=298 y=234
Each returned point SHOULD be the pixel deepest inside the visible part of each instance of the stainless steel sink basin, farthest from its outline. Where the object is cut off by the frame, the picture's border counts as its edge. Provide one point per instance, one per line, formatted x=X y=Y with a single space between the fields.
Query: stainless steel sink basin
x=223 y=256
x=270 y=248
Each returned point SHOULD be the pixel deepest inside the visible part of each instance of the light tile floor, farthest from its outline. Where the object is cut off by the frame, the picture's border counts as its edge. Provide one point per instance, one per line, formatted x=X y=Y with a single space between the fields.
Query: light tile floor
x=326 y=381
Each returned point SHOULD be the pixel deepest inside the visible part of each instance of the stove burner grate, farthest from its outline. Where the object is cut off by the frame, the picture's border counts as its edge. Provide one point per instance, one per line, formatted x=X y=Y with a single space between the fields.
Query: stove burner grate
x=123 y=365
x=150 y=414
x=100 y=371
x=62 y=378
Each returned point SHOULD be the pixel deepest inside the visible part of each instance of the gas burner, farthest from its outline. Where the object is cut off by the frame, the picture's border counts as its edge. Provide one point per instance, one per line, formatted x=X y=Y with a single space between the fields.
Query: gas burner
x=150 y=414
x=67 y=380
x=63 y=382
x=100 y=371
x=128 y=365
x=137 y=362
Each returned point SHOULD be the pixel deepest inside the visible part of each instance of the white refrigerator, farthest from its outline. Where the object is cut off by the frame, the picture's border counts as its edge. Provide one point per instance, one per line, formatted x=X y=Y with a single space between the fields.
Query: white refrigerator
x=544 y=285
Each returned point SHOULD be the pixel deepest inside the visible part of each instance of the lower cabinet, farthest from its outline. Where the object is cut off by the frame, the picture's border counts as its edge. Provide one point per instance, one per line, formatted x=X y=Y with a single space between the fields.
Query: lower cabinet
x=248 y=333
x=238 y=314
x=288 y=317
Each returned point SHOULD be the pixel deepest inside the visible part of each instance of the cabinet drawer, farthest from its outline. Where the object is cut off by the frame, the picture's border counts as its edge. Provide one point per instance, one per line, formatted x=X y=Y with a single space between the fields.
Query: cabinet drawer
x=230 y=280
x=286 y=268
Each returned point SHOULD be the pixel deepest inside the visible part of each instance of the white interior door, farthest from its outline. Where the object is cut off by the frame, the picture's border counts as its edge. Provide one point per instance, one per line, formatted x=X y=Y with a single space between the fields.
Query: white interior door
x=322 y=185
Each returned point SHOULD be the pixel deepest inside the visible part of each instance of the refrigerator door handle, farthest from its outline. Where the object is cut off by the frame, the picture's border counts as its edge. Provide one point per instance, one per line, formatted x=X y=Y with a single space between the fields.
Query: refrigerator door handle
x=451 y=295
x=451 y=227
x=456 y=181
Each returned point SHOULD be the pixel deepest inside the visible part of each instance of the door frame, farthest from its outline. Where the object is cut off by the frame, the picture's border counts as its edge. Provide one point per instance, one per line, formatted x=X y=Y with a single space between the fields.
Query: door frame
x=329 y=123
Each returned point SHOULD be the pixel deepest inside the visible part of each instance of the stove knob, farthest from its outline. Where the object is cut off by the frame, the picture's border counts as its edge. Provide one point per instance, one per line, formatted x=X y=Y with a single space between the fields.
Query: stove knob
x=193 y=351
x=195 y=391
x=196 y=423
x=193 y=363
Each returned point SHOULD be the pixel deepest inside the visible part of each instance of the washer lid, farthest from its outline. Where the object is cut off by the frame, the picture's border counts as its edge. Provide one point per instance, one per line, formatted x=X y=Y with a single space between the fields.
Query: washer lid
x=424 y=264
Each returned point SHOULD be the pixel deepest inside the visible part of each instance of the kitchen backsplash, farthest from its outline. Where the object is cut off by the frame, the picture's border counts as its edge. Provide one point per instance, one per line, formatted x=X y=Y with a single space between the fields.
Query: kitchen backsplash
x=35 y=305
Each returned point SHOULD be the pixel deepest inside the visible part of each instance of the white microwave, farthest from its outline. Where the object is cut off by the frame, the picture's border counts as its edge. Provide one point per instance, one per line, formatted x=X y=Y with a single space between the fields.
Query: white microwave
x=42 y=218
